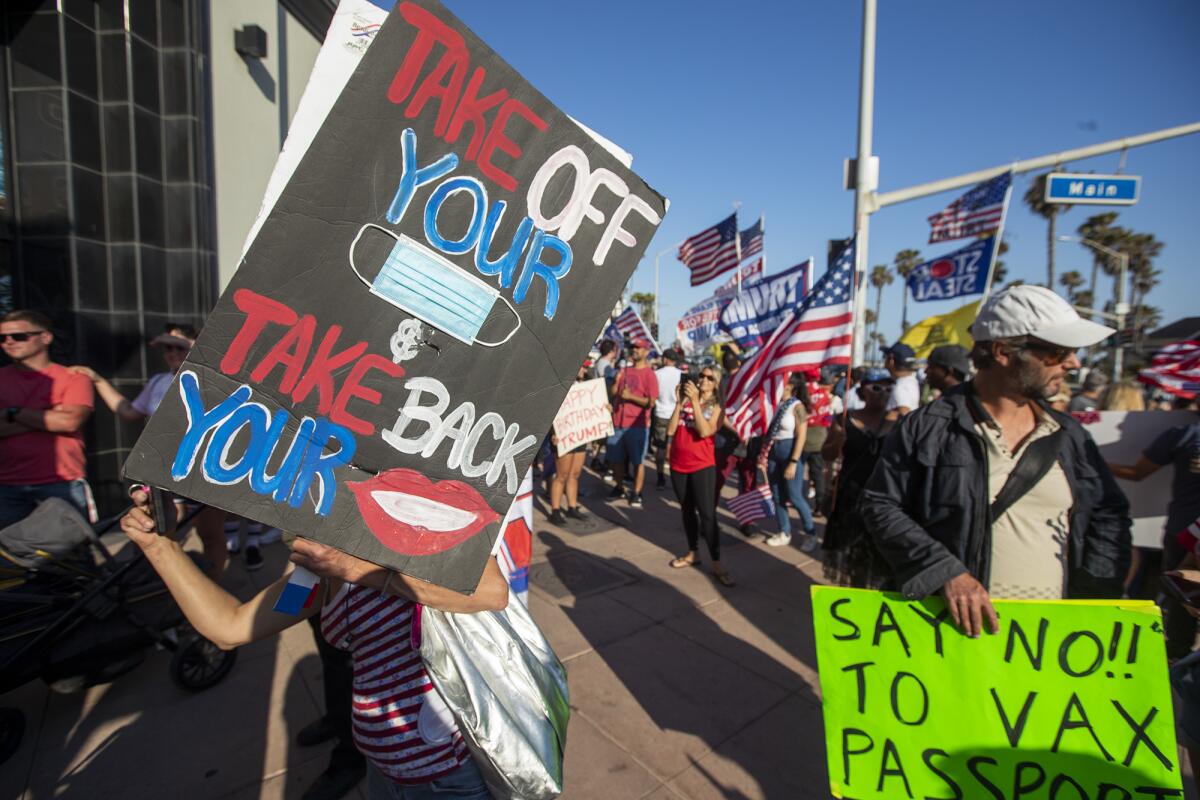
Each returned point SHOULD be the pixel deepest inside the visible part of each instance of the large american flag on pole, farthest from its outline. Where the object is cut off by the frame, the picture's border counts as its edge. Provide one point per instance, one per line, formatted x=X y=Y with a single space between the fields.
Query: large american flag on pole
x=817 y=333
x=1175 y=369
x=752 y=239
x=712 y=251
x=629 y=324
x=977 y=212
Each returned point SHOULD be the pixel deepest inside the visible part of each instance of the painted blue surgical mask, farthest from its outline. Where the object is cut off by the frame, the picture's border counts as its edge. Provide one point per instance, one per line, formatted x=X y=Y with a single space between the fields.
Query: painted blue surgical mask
x=419 y=281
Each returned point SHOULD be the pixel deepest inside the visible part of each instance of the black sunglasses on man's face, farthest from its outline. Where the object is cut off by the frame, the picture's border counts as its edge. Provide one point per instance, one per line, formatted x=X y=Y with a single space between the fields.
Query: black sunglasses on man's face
x=18 y=336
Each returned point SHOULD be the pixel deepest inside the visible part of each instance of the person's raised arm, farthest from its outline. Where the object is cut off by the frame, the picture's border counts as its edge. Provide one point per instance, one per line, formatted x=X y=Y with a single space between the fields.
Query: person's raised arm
x=491 y=593
x=216 y=614
x=117 y=403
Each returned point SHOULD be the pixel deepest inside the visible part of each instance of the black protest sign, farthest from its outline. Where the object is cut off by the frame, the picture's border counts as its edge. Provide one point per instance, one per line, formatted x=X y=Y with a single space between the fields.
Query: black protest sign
x=384 y=364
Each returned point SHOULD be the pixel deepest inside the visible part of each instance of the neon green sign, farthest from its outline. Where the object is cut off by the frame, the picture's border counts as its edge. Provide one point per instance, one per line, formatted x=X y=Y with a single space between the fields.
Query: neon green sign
x=1068 y=701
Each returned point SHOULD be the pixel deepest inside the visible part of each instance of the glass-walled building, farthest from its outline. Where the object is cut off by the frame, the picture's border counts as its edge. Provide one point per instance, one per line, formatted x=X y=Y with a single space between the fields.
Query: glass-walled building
x=133 y=157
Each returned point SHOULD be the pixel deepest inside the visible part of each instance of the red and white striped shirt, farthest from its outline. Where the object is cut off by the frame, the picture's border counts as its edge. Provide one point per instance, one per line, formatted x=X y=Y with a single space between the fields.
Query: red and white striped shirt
x=400 y=722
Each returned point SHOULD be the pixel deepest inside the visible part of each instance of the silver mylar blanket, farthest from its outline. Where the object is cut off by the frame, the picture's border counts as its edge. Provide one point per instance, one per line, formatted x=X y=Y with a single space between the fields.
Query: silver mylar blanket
x=507 y=691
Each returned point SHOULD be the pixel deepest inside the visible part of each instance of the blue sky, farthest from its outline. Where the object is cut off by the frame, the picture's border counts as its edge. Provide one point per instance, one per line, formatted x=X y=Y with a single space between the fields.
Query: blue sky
x=758 y=103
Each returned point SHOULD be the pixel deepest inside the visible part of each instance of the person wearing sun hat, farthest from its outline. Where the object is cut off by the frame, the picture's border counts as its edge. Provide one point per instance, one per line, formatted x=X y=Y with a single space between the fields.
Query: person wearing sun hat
x=1061 y=528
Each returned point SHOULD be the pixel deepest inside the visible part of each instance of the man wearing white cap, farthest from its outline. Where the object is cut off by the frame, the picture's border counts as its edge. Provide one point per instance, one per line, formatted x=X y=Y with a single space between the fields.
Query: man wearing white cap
x=987 y=490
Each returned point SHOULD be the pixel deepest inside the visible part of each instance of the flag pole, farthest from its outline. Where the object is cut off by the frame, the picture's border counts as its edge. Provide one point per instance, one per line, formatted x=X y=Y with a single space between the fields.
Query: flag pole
x=987 y=285
x=657 y=256
x=737 y=244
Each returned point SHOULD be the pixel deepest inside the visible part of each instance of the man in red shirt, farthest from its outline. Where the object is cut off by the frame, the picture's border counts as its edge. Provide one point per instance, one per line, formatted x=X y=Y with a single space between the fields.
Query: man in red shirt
x=45 y=406
x=633 y=395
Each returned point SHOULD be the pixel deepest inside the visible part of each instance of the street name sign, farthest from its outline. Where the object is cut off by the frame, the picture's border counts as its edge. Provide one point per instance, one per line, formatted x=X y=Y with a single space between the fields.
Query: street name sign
x=1089 y=189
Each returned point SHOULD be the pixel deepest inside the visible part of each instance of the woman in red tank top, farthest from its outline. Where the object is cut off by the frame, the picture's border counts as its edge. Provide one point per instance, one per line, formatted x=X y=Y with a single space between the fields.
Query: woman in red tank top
x=699 y=414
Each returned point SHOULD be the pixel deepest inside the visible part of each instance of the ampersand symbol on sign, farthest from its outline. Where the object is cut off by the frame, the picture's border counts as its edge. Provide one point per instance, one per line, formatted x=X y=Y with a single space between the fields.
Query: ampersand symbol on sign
x=406 y=341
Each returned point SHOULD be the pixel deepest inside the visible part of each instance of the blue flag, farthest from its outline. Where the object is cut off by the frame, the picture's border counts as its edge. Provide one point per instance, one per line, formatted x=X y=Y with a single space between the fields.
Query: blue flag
x=955 y=274
x=752 y=315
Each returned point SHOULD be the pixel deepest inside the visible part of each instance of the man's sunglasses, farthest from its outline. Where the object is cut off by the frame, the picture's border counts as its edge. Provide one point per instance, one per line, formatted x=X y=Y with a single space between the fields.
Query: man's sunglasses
x=1051 y=354
x=877 y=387
x=19 y=336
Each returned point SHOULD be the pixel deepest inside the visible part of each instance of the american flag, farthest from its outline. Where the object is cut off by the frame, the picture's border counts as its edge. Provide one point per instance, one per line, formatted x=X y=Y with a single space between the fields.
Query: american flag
x=1175 y=369
x=752 y=239
x=817 y=333
x=712 y=251
x=977 y=212
x=630 y=326
x=749 y=272
x=753 y=505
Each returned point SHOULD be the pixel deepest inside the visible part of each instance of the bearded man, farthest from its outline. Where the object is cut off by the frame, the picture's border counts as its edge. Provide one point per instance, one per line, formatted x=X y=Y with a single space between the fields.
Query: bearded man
x=987 y=491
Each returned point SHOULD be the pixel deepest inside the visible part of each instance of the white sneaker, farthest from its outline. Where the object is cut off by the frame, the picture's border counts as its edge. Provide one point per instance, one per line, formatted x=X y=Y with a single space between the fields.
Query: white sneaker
x=808 y=543
x=779 y=539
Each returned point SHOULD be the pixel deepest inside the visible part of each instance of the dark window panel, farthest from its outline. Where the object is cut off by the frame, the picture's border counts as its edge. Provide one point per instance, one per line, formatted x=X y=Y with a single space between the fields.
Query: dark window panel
x=47 y=275
x=150 y=212
x=117 y=149
x=176 y=133
x=82 y=11
x=85 y=131
x=96 y=351
x=182 y=283
x=173 y=23
x=110 y=15
x=143 y=19
x=147 y=143
x=33 y=44
x=175 y=81
x=88 y=188
x=100 y=433
x=91 y=274
x=39 y=122
x=123 y=262
x=180 y=218
x=25 y=7
x=113 y=72
x=42 y=199
x=129 y=347
x=154 y=281
x=120 y=208
x=145 y=74
x=81 y=58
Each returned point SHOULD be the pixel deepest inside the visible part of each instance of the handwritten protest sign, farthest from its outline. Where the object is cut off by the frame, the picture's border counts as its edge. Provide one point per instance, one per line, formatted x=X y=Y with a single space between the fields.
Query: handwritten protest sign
x=584 y=416
x=411 y=312
x=1068 y=700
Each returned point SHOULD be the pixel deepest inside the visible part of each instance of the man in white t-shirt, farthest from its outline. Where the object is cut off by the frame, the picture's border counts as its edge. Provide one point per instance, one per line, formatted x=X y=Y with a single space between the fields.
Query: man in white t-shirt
x=906 y=394
x=668 y=376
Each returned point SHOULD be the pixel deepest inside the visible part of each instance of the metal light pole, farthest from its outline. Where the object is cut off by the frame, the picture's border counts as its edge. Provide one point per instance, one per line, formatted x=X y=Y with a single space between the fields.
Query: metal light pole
x=1120 y=307
x=866 y=179
x=657 y=256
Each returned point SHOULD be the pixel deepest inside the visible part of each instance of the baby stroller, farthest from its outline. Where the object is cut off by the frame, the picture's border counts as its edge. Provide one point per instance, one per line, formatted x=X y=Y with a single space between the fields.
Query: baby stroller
x=76 y=615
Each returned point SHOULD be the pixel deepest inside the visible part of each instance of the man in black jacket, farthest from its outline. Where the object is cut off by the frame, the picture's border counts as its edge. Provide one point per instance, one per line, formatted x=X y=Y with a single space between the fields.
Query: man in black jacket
x=1061 y=528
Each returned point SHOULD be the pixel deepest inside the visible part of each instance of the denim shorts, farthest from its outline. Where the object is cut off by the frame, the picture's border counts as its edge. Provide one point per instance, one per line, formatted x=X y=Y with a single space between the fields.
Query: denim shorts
x=628 y=444
x=464 y=783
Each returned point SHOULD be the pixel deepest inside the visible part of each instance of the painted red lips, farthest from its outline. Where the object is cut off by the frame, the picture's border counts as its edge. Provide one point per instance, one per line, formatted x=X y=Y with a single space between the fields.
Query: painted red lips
x=412 y=515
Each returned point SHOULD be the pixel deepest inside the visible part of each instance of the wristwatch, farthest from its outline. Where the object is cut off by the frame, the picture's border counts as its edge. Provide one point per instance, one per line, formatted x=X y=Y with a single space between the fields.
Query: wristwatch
x=10 y=413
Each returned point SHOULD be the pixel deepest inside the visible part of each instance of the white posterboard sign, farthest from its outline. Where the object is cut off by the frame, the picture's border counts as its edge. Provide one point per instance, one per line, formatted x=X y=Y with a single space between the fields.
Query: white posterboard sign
x=1122 y=437
x=584 y=416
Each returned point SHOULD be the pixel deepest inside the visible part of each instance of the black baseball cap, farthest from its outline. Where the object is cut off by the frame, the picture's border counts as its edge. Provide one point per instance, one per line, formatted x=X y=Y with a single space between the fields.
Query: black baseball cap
x=951 y=356
x=901 y=352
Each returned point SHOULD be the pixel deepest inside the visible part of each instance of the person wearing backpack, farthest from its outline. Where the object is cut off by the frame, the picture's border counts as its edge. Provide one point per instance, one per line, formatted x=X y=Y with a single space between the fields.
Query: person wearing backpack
x=987 y=491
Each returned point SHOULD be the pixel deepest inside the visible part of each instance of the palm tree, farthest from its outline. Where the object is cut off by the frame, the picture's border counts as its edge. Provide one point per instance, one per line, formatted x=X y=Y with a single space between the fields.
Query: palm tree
x=645 y=303
x=881 y=276
x=1071 y=280
x=1000 y=269
x=1099 y=228
x=905 y=262
x=869 y=319
x=1035 y=199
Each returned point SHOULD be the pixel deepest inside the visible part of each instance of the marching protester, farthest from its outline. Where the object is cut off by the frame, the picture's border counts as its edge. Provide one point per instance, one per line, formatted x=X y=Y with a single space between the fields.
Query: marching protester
x=668 y=376
x=380 y=642
x=986 y=491
x=851 y=558
x=698 y=415
x=633 y=394
x=906 y=394
x=820 y=393
x=781 y=453
x=949 y=365
x=174 y=342
x=1088 y=398
x=45 y=408
x=1178 y=446
x=565 y=483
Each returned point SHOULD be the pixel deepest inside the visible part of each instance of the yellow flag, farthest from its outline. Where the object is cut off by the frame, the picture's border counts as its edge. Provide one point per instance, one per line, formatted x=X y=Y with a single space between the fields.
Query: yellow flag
x=952 y=328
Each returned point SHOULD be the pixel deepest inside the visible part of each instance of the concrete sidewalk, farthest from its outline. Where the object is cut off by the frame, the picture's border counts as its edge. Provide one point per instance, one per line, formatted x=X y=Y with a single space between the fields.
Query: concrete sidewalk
x=680 y=688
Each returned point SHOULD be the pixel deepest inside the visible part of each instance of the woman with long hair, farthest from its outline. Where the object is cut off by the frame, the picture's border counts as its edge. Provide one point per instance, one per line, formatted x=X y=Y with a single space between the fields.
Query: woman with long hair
x=698 y=415
x=850 y=557
x=566 y=477
x=782 y=450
